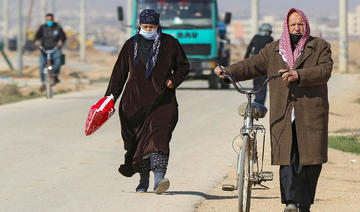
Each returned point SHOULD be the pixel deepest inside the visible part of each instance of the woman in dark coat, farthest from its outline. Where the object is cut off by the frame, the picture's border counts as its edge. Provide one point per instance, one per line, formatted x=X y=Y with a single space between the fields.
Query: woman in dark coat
x=156 y=64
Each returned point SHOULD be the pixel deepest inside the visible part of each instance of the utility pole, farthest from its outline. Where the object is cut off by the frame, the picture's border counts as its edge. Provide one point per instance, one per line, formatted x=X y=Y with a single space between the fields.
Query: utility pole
x=43 y=11
x=129 y=10
x=52 y=6
x=28 y=18
x=6 y=24
x=19 y=38
x=254 y=16
x=343 y=37
x=83 y=31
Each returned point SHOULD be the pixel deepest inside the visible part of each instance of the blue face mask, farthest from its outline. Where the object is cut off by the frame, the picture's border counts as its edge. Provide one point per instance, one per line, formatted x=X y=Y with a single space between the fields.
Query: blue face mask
x=49 y=23
x=148 y=35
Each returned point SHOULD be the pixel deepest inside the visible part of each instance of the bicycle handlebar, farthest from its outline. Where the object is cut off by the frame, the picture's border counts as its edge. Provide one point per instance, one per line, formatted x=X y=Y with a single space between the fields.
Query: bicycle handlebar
x=242 y=90
x=50 y=51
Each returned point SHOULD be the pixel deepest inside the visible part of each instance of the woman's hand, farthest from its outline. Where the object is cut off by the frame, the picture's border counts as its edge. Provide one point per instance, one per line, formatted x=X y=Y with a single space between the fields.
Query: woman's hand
x=169 y=84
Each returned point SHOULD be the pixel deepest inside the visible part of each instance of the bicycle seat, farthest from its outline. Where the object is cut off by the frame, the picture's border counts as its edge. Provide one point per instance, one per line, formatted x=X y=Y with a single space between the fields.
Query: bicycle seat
x=258 y=110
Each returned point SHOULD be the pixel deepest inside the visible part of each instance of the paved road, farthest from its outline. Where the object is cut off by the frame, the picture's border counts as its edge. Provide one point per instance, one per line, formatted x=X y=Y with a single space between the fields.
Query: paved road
x=48 y=164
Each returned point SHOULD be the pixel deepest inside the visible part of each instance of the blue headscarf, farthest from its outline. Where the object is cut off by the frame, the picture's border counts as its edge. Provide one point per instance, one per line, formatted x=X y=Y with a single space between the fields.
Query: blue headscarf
x=265 y=29
x=148 y=16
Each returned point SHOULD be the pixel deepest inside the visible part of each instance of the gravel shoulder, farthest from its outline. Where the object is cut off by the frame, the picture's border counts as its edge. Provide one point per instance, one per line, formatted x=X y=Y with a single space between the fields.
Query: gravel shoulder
x=339 y=185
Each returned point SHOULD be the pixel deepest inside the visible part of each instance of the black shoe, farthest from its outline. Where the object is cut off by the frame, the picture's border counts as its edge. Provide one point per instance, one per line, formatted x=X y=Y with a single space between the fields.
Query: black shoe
x=305 y=208
x=55 y=81
x=42 y=87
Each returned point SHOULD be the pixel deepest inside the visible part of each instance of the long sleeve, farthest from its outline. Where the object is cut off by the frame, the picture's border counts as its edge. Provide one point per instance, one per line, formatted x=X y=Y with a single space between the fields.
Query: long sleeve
x=252 y=67
x=62 y=34
x=39 y=34
x=119 y=74
x=180 y=66
x=249 y=48
x=319 y=74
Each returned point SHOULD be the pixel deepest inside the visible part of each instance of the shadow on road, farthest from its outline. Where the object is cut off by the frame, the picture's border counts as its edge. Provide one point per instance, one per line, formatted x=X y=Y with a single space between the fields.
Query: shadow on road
x=252 y=197
x=211 y=197
x=196 y=193
x=204 y=89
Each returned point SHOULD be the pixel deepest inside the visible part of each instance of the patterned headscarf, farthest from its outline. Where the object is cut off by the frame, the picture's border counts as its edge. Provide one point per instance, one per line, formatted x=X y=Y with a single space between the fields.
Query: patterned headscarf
x=148 y=16
x=285 y=43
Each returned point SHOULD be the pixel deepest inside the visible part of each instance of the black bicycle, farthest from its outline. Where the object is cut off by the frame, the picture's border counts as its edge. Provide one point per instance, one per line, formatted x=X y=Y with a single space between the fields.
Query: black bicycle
x=249 y=172
x=49 y=80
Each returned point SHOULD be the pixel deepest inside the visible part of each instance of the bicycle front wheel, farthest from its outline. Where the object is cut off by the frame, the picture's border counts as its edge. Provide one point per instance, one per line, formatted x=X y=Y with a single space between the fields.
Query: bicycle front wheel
x=48 y=80
x=244 y=182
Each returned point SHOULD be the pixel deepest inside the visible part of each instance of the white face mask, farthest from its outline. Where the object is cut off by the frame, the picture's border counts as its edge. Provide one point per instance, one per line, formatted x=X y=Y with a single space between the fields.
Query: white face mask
x=148 y=35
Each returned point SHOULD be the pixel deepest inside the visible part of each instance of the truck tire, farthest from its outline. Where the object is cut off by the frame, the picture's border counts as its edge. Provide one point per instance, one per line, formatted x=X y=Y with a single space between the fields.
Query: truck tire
x=214 y=82
x=224 y=86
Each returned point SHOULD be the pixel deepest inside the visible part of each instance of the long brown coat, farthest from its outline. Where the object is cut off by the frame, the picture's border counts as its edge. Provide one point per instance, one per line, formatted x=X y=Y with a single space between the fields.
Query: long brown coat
x=148 y=109
x=309 y=98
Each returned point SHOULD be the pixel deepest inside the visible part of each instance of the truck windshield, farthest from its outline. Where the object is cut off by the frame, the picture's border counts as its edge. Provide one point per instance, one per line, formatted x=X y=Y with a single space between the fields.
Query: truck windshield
x=181 y=14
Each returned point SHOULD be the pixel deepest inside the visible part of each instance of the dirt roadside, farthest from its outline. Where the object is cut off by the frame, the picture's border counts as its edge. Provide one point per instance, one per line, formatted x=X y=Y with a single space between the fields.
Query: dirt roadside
x=74 y=75
x=339 y=184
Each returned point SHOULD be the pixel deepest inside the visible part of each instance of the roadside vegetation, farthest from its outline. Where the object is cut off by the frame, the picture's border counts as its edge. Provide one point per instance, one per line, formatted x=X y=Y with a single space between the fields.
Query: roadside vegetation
x=358 y=100
x=12 y=93
x=348 y=141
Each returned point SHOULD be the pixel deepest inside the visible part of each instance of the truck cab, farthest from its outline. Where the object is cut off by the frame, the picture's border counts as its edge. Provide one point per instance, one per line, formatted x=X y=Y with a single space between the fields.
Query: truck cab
x=195 y=24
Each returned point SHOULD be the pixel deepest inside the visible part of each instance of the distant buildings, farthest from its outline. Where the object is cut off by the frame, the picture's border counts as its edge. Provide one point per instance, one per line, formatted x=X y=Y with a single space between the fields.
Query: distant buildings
x=354 y=23
x=240 y=30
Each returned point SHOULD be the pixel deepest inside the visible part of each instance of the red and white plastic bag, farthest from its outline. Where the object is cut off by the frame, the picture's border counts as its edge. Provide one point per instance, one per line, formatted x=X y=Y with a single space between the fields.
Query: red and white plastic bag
x=99 y=113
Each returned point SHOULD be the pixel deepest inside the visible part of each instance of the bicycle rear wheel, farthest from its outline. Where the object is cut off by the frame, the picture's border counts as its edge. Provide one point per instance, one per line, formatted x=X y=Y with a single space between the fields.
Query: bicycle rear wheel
x=244 y=182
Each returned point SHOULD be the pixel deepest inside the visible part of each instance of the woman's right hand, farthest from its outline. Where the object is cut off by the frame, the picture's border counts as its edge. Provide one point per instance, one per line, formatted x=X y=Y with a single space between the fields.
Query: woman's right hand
x=169 y=84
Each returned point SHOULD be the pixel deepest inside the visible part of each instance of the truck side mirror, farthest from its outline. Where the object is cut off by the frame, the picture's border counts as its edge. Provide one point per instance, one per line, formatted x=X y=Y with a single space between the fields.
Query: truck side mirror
x=227 y=18
x=120 y=13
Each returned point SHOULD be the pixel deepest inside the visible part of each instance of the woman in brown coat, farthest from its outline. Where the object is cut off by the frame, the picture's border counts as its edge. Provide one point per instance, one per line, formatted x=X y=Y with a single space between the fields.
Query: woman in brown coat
x=300 y=95
x=156 y=64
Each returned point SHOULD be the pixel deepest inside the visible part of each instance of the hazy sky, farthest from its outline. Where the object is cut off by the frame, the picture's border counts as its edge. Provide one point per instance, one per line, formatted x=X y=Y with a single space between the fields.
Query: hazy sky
x=276 y=7
x=328 y=8
x=279 y=7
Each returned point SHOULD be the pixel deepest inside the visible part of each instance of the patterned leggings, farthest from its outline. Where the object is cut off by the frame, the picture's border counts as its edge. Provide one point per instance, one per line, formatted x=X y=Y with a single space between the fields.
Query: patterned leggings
x=156 y=162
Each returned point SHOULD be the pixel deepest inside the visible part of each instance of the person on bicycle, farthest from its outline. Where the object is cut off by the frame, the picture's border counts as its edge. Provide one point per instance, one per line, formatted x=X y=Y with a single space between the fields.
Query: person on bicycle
x=299 y=107
x=257 y=43
x=156 y=65
x=49 y=36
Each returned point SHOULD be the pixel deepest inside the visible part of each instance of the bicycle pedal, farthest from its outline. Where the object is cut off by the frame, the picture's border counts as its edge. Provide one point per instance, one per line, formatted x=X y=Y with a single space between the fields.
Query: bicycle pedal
x=267 y=176
x=228 y=187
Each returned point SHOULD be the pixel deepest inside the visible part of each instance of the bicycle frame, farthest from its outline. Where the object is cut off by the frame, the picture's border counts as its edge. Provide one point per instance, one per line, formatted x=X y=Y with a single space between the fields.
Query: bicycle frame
x=247 y=175
x=48 y=70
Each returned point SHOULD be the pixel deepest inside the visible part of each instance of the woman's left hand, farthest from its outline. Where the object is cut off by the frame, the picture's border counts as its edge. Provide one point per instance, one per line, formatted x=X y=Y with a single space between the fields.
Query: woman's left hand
x=169 y=84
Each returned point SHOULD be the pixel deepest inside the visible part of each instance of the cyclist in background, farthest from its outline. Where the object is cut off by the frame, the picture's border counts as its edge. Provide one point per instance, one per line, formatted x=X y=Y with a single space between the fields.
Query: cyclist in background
x=258 y=42
x=49 y=36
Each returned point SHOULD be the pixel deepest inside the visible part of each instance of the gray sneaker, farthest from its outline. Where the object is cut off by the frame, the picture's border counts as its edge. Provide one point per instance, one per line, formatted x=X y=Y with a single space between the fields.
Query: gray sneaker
x=163 y=186
x=291 y=208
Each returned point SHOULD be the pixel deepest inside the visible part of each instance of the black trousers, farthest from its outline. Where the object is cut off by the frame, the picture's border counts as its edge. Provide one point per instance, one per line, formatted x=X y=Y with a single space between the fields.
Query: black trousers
x=297 y=182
